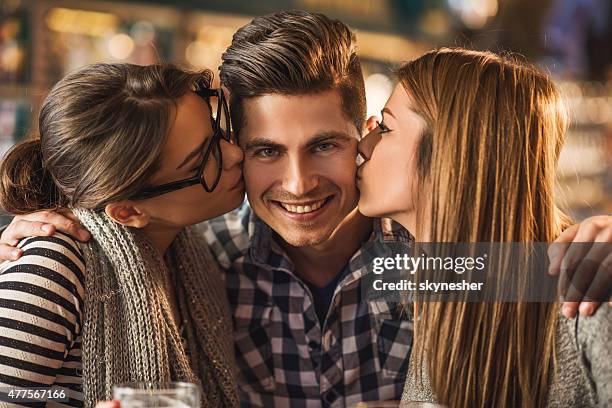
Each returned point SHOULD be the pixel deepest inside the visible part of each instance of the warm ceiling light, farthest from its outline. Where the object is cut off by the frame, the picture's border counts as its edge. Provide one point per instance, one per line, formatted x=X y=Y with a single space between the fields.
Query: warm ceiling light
x=120 y=46
x=93 y=23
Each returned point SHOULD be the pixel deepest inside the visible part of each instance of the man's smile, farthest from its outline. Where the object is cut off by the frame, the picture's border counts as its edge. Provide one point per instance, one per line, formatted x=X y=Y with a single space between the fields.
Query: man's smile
x=303 y=210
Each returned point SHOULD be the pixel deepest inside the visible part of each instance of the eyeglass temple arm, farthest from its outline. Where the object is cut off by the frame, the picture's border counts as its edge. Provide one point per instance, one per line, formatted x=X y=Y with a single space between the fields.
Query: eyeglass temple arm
x=208 y=92
x=166 y=188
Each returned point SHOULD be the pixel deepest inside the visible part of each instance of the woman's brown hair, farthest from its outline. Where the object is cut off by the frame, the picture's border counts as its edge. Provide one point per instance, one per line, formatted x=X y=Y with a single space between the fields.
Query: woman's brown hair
x=495 y=128
x=102 y=129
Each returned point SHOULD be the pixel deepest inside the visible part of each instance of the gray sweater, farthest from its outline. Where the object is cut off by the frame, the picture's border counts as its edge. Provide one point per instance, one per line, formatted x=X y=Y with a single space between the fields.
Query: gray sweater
x=584 y=365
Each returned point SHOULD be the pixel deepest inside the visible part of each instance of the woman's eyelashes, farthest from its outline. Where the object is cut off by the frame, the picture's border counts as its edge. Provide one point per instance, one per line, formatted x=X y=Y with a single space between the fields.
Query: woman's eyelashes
x=383 y=128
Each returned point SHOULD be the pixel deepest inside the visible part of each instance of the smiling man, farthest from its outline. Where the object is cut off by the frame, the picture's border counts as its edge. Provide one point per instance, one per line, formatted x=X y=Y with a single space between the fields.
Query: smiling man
x=296 y=255
x=301 y=175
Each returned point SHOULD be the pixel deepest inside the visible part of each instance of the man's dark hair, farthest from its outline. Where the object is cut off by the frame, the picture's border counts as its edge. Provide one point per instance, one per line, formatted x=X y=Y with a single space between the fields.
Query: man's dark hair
x=294 y=53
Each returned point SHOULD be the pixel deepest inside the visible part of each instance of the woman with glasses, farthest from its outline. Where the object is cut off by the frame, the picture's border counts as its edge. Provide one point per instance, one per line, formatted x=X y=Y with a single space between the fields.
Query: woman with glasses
x=137 y=155
x=472 y=140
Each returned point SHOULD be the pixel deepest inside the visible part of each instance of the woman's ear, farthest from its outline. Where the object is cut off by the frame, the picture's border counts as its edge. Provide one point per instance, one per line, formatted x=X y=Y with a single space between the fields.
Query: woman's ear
x=128 y=213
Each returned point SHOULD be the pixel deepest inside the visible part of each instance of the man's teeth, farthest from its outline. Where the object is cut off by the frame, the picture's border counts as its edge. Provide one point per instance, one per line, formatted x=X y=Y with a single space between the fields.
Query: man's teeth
x=303 y=209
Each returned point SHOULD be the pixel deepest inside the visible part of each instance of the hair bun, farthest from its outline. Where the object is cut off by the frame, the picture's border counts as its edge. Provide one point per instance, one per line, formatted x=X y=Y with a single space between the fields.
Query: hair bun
x=25 y=185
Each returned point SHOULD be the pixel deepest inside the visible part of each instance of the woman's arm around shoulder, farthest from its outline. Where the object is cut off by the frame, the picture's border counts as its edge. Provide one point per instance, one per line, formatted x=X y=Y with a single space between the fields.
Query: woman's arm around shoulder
x=41 y=308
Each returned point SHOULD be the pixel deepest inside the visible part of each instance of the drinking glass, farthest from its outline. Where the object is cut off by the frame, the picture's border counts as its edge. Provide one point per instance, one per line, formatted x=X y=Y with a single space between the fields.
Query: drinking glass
x=157 y=395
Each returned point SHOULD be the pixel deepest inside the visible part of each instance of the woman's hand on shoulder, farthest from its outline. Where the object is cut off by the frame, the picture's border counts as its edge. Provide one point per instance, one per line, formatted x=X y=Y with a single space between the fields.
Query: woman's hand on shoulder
x=582 y=258
x=41 y=223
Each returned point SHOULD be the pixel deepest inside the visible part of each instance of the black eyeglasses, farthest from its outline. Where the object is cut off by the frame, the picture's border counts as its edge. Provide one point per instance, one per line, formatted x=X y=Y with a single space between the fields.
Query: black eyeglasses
x=209 y=171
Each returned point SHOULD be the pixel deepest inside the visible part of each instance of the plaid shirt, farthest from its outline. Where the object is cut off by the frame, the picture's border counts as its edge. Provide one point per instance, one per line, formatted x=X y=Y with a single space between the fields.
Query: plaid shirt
x=285 y=357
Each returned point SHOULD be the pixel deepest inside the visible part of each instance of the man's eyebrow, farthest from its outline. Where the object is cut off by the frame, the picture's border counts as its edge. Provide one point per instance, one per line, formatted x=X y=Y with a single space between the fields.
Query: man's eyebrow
x=387 y=110
x=194 y=153
x=328 y=136
x=262 y=142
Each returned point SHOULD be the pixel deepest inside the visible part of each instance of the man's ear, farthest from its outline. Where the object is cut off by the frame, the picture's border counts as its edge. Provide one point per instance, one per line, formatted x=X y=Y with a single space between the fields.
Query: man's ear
x=128 y=213
x=371 y=124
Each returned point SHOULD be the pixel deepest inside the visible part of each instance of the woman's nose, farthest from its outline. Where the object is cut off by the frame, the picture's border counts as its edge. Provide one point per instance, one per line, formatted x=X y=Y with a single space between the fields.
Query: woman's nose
x=232 y=154
x=368 y=143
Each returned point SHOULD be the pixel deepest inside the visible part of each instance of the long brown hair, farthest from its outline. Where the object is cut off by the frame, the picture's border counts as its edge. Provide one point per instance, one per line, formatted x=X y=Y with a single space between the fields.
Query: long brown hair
x=495 y=128
x=102 y=129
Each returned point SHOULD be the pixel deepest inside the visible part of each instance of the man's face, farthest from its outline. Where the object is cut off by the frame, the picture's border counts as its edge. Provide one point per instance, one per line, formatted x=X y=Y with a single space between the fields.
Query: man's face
x=299 y=164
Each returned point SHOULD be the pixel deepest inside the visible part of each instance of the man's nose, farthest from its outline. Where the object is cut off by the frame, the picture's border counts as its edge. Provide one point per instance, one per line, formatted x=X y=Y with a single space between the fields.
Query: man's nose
x=300 y=178
x=368 y=143
x=232 y=154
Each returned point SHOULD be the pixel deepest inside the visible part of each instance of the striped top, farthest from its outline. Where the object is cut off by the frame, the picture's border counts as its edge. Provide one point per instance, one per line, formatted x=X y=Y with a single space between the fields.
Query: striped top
x=41 y=307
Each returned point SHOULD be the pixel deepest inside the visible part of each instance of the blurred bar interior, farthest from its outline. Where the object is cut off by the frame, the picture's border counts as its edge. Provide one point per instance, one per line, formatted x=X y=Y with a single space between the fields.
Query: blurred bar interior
x=41 y=40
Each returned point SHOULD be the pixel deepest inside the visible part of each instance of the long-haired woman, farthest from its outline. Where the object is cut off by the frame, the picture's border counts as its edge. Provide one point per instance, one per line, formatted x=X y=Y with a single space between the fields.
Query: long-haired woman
x=136 y=154
x=466 y=152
